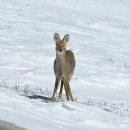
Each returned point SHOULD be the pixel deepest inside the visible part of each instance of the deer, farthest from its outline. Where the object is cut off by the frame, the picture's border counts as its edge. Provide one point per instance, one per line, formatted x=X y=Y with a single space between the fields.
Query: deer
x=64 y=65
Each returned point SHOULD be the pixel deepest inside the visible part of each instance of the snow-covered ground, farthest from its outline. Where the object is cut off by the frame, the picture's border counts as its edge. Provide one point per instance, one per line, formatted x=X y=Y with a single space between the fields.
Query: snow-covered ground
x=100 y=39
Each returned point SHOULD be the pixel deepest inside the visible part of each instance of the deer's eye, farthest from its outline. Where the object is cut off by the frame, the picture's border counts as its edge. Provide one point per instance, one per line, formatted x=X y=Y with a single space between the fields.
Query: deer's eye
x=63 y=45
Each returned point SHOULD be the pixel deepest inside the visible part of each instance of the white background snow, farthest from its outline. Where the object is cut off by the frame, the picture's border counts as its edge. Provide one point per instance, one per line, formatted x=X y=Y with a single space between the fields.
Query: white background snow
x=100 y=39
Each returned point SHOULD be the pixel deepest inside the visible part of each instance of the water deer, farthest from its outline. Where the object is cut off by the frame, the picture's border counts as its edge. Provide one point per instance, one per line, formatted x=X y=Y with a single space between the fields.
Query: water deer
x=64 y=66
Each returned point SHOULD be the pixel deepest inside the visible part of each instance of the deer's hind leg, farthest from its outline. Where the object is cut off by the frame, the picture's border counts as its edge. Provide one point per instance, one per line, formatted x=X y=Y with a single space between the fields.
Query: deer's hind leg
x=66 y=89
x=61 y=88
x=69 y=90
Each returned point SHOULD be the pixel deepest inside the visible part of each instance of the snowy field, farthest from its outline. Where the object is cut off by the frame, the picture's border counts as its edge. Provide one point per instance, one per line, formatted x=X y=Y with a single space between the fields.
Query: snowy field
x=100 y=39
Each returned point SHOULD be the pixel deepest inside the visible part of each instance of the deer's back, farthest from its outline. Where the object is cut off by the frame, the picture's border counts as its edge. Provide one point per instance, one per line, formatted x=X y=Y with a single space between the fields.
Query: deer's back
x=70 y=59
x=71 y=63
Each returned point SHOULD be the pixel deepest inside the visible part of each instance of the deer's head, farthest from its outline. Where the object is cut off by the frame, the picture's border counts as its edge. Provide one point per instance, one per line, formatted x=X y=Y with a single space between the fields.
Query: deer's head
x=61 y=44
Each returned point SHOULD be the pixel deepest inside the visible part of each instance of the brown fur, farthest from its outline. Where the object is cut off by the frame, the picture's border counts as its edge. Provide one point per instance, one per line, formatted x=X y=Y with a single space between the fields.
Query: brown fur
x=64 y=66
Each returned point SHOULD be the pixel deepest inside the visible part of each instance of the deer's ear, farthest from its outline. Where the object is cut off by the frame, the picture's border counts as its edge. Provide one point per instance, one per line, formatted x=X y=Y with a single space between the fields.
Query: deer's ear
x=56 y=37
x=66 y=38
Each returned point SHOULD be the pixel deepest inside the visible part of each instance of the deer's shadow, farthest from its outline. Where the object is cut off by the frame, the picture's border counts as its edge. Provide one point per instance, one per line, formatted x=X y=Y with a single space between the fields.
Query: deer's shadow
x=39 y=97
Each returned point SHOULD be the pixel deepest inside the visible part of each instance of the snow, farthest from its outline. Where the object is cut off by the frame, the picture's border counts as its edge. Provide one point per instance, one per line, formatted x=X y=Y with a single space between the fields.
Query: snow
x=100 y=39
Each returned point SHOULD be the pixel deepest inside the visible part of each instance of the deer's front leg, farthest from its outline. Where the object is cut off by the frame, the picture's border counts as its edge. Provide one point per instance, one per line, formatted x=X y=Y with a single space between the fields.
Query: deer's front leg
x=56 y=87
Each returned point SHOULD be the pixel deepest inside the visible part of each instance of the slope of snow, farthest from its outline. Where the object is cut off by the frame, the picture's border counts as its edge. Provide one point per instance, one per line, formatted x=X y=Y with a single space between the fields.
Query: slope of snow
x=100 y=38
x=35 y=114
